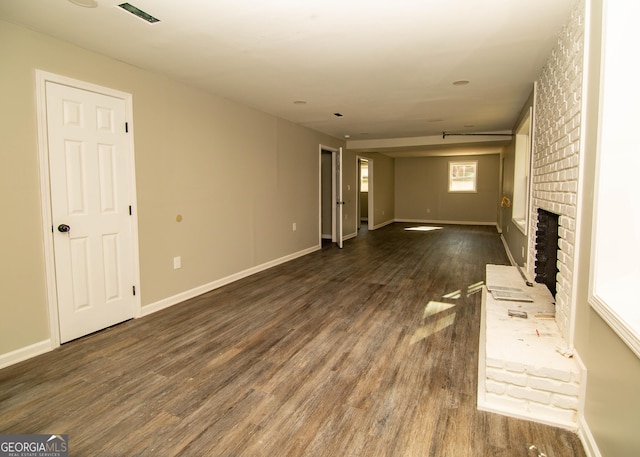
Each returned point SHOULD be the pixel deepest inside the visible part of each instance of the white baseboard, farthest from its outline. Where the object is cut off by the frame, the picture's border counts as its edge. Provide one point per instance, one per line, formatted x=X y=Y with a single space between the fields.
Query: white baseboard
x=588 y=441
x=178 y=298
x=430 y=221
x=383 y=224
x=13 y=357
x=506 y=248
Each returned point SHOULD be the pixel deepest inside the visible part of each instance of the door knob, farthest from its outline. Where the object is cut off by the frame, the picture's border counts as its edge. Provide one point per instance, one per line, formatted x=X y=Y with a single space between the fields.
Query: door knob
x=63 y=228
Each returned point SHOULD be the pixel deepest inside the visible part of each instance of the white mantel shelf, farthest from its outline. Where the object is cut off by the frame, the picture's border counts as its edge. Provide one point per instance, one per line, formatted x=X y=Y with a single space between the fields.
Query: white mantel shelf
x=521 y=372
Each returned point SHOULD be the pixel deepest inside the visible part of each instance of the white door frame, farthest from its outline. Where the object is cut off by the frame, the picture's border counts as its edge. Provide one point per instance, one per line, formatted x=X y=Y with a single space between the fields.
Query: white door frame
x=42 y=77
x=334 y=155
x=370 y=192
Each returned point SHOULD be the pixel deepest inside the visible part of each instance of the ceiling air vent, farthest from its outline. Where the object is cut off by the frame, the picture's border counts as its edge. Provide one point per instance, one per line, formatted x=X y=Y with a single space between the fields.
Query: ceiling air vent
x=138 y=12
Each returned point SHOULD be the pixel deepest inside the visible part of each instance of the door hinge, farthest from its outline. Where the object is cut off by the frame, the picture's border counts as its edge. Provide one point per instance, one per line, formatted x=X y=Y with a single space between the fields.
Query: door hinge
x=130 y=211
x=134 y=290
x=126 y=127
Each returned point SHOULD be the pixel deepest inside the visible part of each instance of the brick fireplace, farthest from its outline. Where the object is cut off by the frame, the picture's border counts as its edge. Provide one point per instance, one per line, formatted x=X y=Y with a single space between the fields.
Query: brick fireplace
x=556 y=158
x=526 y=367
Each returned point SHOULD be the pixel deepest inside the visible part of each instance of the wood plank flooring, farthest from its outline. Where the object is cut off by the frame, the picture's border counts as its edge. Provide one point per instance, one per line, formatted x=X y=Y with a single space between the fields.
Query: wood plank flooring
x=367 y=351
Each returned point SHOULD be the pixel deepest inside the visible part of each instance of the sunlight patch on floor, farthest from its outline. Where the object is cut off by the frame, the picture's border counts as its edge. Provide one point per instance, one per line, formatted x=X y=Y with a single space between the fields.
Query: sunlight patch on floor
x=453 y=295
x=422 y=228
x=475 y=288
x=432 y=326
x=435 y=307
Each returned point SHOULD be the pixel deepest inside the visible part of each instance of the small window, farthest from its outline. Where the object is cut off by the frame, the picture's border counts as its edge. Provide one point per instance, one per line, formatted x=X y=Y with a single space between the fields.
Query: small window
x=462 y=176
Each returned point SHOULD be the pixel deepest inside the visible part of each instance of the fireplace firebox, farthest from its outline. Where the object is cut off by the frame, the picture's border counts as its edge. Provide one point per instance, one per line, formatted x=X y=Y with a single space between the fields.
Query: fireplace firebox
x=547 y=249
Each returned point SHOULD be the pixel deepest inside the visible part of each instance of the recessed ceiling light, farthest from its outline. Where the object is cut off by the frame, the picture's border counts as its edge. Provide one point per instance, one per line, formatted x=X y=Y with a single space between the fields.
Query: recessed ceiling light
x=462 y=82
x=300 y=102
x=85 y=3
x=347 y=136
x=138 y=12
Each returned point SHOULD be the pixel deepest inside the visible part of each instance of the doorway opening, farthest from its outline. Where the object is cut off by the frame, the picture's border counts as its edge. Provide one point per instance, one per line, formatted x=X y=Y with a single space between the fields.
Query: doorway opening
x=365 y=209
x=330 y=196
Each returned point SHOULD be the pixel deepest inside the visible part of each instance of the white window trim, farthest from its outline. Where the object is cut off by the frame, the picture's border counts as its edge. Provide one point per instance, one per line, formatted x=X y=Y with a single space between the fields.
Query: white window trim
x=475 y=180
x=523 y=138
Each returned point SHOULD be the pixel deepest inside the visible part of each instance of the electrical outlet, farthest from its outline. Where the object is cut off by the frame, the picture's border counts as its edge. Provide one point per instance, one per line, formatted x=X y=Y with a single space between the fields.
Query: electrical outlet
x=295 y=227
x=522 y=251
x=177 y=263
x=428 y=210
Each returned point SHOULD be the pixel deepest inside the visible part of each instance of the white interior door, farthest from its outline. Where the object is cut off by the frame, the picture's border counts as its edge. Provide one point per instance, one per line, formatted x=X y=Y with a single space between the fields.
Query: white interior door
x=339 y=199
x=89 y=170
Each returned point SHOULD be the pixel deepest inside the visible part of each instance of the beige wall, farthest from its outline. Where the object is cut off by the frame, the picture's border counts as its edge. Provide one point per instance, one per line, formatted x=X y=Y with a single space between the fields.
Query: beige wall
x=421 y=191
x=238 y=177
x=382 y=175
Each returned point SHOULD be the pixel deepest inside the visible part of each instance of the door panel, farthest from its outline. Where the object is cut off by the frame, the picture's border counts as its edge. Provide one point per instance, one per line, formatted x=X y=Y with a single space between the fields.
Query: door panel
x=89 y=176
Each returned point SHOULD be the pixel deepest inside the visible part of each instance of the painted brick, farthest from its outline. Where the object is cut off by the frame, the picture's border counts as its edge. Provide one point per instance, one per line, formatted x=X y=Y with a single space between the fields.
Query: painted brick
x=551 y=413
x=564 y=402
x=552 y=373
x=528 y=387
x=523 y=393
x=498 y=388
x=518 y=379
x=508 y=403
x=576 y=377
x=557 y=149
x=550 y=385
x=516 y=367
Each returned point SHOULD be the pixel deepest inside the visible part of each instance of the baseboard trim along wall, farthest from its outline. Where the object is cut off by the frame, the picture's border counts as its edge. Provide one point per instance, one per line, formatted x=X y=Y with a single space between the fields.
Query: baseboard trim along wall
x=27 y=352
x=186 y=295
x=588 y=440
x=507 y=250
x=383 y=224
x=429 y=221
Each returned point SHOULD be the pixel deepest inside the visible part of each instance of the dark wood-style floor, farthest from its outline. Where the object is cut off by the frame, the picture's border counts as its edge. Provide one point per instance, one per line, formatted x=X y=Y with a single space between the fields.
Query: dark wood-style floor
x=339 y=353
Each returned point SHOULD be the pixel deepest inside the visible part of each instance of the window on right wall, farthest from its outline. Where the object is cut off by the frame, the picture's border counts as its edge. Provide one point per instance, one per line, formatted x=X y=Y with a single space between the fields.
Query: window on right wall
x=615 y=243
x=522 y=174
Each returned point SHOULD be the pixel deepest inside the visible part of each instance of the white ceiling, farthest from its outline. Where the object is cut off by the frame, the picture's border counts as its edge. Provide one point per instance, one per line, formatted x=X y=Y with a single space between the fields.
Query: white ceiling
x=386 y=65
